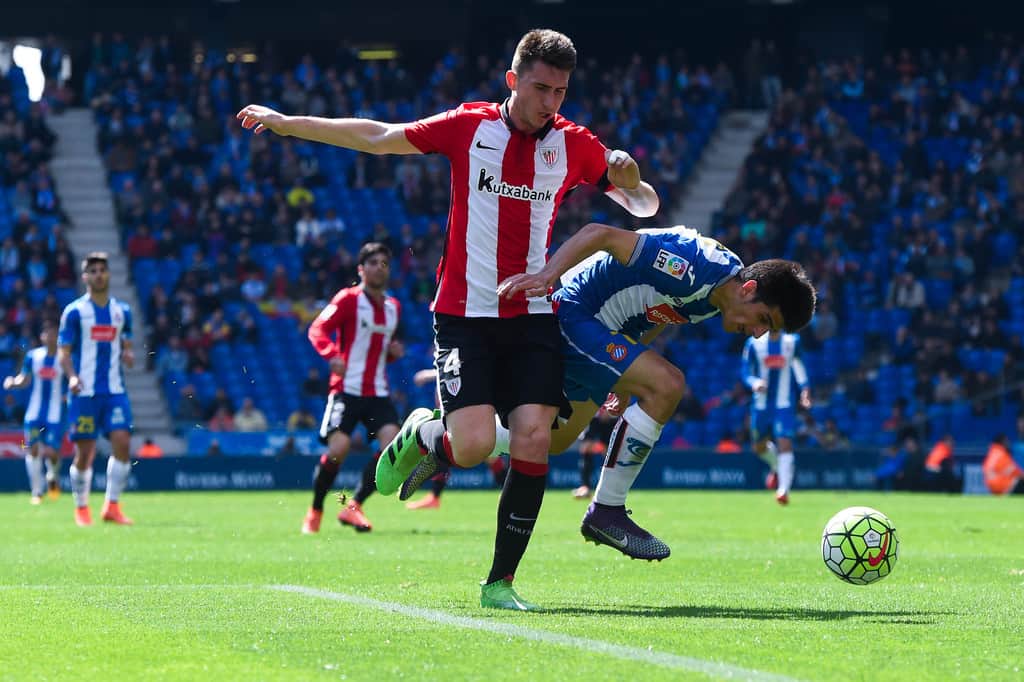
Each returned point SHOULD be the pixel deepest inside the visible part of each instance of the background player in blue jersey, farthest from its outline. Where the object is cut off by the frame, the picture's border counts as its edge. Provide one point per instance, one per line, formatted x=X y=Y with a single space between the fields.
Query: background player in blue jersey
x=44 y=417
x=771 y=365
x=611 y=306
x=95 y=338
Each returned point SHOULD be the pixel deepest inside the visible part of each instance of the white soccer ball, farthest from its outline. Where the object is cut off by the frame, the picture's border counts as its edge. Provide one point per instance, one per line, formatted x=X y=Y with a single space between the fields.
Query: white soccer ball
x=859 y=545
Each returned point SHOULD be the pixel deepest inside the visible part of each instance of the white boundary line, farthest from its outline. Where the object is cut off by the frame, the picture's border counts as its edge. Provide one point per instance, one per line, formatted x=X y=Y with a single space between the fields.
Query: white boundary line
x=596 y=646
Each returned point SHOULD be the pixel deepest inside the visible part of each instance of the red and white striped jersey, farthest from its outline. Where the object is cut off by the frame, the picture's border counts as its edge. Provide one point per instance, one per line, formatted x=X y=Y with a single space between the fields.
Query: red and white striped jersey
x=364 y=329
x=506 y=189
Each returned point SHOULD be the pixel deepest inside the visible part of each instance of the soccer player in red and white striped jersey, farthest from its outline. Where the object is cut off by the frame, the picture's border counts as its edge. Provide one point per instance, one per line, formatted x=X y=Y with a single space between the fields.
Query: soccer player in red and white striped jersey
x=511 y=164
x=355 y=333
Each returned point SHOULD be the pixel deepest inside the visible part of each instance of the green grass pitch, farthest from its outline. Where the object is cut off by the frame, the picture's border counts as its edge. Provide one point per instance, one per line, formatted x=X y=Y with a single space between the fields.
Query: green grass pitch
x=187 y=593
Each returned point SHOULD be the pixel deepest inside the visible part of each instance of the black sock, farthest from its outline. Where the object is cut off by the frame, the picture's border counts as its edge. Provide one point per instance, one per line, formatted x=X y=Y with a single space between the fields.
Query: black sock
x=326 y=472
x=431 y=438
x=586 y=469
x=517 y=513
x=368 y=483
x=439 y=483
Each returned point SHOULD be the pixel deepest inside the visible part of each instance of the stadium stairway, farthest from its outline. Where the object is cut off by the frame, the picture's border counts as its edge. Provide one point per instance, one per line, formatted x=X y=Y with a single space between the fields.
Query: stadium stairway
x=81 y=181
x=718 y=168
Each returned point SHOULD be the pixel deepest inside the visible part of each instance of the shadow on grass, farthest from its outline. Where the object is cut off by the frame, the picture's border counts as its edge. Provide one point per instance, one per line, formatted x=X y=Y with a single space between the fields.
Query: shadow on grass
x=645 y=611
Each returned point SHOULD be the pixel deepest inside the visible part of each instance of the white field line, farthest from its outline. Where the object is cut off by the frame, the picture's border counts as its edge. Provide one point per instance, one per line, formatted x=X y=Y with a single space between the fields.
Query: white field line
x=595 y=646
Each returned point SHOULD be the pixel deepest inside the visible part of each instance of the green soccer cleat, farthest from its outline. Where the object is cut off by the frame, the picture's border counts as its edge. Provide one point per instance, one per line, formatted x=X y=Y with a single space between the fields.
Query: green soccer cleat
x=501 y=595
x=403 y=453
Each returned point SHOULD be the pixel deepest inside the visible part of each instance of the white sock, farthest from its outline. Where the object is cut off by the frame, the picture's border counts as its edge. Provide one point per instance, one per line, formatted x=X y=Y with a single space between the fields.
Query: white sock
x=632 y=440
x=51 y=470
x=81 y=482
x=34 y=467
x=117 y=478
x=501 y=439
x=770 y=455
x=785 y=472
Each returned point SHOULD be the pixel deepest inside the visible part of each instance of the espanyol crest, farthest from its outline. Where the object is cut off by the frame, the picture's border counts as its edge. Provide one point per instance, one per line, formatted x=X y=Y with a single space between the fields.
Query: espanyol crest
x=549 y=155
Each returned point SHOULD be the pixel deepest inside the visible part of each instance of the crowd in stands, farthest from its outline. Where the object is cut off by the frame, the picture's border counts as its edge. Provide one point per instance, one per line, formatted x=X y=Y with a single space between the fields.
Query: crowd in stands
x=236 y=241
x=38 y=275
x=899 y=184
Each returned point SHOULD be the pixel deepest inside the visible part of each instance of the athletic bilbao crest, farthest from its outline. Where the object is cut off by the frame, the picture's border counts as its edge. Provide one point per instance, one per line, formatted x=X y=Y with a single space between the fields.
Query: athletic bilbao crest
x=549 y=155
x=453 y=385
x=616 y=352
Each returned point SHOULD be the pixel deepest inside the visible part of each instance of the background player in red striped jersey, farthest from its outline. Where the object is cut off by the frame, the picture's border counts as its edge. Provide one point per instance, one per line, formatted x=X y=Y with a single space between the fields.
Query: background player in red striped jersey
x=511 y=164
x=355 y=334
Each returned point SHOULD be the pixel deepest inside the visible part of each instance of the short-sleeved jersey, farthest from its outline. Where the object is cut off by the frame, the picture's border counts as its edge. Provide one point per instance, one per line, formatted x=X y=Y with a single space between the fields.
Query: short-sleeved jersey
x=49 y=390
x=95 y=334
x=667 y=280
x=506 y=190
x=358 y=330
x=777 y=363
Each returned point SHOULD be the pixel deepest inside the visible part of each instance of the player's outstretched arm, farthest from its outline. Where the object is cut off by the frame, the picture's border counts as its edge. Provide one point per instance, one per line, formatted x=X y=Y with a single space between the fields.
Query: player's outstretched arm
x=593 y=237
x=360 y=134
x=631 y=192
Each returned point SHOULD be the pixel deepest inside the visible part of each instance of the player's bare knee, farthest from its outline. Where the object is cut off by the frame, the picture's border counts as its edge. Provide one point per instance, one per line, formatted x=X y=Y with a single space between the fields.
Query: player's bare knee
x=673 y=383
x=469 y=449
x=531 y=443
x=661 y=396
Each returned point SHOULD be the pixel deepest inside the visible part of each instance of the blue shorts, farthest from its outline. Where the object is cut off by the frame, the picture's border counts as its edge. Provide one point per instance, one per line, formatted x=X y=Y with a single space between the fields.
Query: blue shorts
x=773 y=423
x=94 y=415
x=43 y=432
x=595 y=357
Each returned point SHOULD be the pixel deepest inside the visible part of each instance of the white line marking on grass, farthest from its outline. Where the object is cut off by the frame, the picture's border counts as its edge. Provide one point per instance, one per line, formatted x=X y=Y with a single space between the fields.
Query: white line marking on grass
x=596 y=646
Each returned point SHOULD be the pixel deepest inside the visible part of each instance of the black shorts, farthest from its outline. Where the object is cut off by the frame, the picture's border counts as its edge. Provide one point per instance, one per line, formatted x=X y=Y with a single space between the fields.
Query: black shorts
x=502 y=362
x=344 y=411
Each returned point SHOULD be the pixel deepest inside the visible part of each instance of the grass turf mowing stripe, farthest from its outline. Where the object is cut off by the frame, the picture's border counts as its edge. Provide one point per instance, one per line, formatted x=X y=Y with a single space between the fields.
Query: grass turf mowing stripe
x=667 y=660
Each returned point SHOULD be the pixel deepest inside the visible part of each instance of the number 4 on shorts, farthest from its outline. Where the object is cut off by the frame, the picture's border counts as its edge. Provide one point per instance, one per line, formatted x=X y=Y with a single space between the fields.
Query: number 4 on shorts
x=452 y=364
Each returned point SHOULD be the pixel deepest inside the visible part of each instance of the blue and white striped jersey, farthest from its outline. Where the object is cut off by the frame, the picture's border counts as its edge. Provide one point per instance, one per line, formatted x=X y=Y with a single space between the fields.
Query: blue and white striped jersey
x=46 y=401
x=95 y=334
x=775 y=360
x=667 y=281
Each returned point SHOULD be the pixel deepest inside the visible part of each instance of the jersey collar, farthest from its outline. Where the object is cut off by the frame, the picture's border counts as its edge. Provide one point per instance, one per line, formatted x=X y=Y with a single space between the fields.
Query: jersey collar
x=540 y=133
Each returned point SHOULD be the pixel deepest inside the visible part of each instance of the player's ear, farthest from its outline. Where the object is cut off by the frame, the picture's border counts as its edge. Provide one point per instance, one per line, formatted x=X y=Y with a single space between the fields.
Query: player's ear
x=749 y=288
x=511 y=79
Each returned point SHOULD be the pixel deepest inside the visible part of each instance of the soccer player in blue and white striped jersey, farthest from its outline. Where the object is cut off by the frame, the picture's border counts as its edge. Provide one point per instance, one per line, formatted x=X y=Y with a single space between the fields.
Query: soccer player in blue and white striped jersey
x=95 y=339
x=773 y=370
x=611 y=306
x=45 y=421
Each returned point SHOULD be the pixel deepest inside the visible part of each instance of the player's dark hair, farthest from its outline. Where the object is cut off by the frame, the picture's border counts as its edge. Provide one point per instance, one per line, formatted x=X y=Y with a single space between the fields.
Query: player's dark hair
x=371 y=249
x=783 y=284
x=94 y=257
x=544 y=45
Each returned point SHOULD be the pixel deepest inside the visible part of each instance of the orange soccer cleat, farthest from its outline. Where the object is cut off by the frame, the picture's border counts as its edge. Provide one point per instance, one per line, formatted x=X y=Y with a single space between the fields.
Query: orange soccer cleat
x=430 y=501
x=782 y=498
x=771 y=481
x=311 y=524
x=112 y=513
x=83 y=517
x=53 y=490
x=352 y=515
